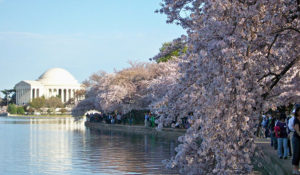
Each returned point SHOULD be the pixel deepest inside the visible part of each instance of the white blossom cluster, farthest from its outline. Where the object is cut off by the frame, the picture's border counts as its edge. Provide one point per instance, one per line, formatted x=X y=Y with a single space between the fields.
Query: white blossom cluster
x=243 y=57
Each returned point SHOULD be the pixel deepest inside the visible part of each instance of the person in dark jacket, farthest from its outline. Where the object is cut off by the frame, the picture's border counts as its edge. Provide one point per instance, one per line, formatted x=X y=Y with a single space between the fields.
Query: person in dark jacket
x=272 y=132
x=296 y=142
x=282 y=137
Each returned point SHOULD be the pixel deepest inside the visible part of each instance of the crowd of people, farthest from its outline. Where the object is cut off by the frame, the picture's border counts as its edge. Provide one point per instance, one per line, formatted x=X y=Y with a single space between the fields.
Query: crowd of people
x=113 y=118
x=284 y=132
x=117 y=118
x=149 y=119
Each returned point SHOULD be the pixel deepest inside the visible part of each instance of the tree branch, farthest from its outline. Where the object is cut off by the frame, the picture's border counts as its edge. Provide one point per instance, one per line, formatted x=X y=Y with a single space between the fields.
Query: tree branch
x=286 y=28
x=279 y=76
x=268 y=74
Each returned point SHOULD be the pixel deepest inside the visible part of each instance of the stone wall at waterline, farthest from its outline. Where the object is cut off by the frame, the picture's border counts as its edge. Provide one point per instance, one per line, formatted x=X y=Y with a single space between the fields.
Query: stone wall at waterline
x=166 y=132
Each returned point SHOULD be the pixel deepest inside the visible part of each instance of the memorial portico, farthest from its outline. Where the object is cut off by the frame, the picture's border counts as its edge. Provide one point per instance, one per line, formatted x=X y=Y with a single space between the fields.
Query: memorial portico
x=54 y=82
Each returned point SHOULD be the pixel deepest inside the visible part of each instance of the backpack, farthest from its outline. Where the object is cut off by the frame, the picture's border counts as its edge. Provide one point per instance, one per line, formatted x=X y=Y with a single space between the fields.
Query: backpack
x=277 y=131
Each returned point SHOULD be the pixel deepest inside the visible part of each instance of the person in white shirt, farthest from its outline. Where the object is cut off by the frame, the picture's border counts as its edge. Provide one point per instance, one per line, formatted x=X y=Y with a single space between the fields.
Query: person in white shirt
x=119 y=118
x=292 y=130
x=291 y=124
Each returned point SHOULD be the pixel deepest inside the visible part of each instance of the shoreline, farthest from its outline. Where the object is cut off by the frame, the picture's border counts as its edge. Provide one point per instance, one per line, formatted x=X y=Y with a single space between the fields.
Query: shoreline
x=271 y=163
x=37 y=116
x=169 y=133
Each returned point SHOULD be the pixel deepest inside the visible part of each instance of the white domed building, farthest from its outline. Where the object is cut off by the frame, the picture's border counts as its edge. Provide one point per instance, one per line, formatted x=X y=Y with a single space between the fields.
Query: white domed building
x=54 y=82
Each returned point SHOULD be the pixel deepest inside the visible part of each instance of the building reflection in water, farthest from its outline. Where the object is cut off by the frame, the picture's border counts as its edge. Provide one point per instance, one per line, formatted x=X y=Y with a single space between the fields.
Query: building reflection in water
x=50 y=146
x=65 y=146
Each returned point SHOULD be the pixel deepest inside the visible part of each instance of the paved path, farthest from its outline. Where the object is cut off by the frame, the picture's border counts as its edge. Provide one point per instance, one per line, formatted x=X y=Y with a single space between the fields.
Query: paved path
x=271 y=162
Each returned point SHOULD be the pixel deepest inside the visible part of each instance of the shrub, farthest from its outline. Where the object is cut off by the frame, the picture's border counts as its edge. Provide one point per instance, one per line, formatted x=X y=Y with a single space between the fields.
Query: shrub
x=63 y=110
x=30 y=110
x=49 y=111
x=38 y=103
x=20 y=110
x=53 y=102
x=12 y=109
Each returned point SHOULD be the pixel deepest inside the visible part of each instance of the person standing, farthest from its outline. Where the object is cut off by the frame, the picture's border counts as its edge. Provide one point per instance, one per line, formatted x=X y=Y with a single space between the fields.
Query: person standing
x=119 y=117
x=291 y=130
x=272 y=132
x=152 y=120
x=130 y=120
x=264 y=124
x=146 y=119
x=282 y=137
x=296 y=142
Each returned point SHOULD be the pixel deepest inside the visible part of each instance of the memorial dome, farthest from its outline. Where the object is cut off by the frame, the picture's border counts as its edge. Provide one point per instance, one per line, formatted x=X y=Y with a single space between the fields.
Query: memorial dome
x=57 y=76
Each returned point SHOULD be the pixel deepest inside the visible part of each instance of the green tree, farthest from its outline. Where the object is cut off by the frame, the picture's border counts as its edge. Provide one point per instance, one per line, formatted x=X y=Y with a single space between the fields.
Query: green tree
x=38 y=103
x=20 y=110
x=42 y=102
x=53 y=102
x=12 y=109
x=170 y=50
x=49 y=111
x=9 y=96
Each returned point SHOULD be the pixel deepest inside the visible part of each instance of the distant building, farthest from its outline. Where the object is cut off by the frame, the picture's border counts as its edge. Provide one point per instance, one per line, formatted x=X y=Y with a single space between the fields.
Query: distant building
x=54 y=82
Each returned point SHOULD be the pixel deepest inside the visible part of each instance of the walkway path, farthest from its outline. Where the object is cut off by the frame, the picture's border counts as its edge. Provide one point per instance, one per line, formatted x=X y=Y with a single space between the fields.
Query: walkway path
x=271 y=163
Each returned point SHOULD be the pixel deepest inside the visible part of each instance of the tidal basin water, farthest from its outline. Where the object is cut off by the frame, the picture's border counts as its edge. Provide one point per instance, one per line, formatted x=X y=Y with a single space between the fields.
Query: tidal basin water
x=64 y=146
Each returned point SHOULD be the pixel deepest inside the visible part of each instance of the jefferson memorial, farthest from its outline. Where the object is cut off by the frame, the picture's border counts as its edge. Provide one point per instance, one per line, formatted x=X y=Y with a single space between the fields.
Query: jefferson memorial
x=54 y=82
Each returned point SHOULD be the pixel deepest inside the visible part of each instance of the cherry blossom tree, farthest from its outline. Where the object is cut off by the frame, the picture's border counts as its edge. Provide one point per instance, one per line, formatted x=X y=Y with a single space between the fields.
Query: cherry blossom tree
x=136 y=87
x=93 y=85
x=241 y=56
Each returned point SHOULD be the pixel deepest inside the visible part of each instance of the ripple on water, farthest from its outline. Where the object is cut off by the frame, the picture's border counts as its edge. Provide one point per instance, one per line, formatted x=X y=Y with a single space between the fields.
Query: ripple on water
x=49 y=146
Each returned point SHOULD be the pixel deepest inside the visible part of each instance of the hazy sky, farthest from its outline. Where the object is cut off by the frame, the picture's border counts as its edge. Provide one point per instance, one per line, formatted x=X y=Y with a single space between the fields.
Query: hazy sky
x=81 y=36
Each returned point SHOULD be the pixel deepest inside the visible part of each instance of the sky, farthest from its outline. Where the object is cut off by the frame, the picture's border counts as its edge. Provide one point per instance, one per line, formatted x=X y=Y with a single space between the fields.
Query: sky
x=81 y=36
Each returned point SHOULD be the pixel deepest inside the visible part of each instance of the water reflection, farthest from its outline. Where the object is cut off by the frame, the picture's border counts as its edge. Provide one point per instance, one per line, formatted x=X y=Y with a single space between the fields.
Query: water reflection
x=63 y=146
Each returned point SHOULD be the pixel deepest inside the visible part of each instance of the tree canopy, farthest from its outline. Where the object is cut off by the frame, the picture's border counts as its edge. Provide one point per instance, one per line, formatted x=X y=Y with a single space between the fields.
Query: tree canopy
x=133 y=88
x=242 y=59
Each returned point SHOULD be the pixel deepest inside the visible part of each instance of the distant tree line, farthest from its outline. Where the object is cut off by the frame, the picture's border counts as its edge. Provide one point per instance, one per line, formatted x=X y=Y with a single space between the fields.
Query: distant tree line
x=14 y=109
x=9 y=97
x=37 y=105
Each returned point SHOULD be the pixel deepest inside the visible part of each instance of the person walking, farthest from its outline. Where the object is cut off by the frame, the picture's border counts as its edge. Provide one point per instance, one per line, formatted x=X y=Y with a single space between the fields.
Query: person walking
x=282 y=137
x=146 y=119
x=296 y=142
